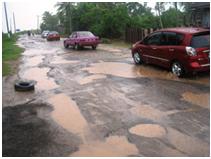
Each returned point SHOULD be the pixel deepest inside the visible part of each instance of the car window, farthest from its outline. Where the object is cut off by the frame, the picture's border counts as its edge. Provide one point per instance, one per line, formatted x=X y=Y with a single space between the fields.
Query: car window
x=85 y=34
x=169 y=38
x=154 y=39
x=202 y=40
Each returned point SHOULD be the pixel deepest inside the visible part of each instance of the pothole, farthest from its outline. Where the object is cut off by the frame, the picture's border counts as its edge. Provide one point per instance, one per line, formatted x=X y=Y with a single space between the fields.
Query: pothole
x=201 y=100
x=60 y=60
x=148 y=130
x=188 y=144
x=147 y=111
x=40 y=75
x=113 y=146
x=90 y=79
x=67 y=114
x=112 y=68
x=34 y=61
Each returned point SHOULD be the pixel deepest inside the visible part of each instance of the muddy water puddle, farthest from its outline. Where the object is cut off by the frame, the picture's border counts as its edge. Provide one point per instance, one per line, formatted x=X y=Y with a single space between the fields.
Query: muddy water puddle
x=148 y=130
x=112 y=68
x=187 y=144
x=201 y=100
x=34 y=61
x=61 y=60
x=113 y=146
x=40 y=75
x=132 y=71
x=67 y=114
x=90 y=79
x=36 y=52
x=146 y=111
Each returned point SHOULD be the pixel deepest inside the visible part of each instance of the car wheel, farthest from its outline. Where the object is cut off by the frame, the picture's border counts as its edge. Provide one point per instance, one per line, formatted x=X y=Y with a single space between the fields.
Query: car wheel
x=137 y=58
x=66 y=45
x=93 y=47
x=177 y=69
x=77 y=46
x=24 y=86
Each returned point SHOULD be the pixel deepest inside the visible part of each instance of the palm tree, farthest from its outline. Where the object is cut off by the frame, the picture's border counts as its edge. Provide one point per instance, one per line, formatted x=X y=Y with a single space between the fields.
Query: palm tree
x=160 y=8
x=65 y=10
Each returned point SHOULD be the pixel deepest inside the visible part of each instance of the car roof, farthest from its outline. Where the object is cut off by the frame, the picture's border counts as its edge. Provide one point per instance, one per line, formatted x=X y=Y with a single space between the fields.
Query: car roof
x=187 y=30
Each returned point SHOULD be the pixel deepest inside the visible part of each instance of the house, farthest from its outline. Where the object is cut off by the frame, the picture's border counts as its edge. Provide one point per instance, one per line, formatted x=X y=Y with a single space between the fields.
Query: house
x=200 y=14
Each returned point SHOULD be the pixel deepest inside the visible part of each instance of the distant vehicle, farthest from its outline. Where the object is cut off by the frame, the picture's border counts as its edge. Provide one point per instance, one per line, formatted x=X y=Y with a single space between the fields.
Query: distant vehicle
x=183 y=50
x=79 y=39
x=53 y=35
x=45 y=33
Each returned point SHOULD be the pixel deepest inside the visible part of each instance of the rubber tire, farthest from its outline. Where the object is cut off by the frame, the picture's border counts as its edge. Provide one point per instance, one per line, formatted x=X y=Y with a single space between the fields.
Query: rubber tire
x=94 y=47
x=66 y=45
x=182 y=69
x=24 y=86
x=137 y=62
x=77 y=46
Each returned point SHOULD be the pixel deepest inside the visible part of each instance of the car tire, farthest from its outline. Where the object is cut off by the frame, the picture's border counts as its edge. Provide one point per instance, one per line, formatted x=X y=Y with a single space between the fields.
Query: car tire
x=177 y=69
x=94 y=47
x=24 y=86
x=137 y=58
x=77 y=46
x=66 y=45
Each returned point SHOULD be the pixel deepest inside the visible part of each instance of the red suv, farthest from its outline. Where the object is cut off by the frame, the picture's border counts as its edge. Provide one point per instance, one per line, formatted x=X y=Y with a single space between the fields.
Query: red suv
x=182 y=50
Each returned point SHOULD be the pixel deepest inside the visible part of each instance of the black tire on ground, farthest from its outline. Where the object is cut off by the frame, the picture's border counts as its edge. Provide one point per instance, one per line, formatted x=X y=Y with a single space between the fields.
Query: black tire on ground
x=177 y=69
x=137 y=58
x=94 y=47
x=24 y=86
x=66 y=45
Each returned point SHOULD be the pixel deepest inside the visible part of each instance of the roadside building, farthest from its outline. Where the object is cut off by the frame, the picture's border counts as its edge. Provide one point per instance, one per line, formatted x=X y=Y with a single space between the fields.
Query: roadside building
x=200 y=14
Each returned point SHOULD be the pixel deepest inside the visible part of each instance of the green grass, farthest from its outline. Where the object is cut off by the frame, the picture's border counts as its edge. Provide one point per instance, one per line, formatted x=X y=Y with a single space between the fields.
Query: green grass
x=10 y=52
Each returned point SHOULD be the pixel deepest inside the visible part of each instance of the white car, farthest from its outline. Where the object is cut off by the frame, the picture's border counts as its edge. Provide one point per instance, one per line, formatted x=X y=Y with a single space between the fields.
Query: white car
x=45 y=33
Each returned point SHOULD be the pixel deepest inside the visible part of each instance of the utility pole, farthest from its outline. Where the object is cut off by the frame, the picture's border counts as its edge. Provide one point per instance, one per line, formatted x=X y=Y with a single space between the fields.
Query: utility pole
x=5 y=9
x=14 y=22
x=10 y=26
x=37 y=23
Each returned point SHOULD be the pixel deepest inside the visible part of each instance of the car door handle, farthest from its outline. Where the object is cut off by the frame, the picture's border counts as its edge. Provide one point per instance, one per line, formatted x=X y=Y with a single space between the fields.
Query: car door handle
x=154 y=48
x=171 y=49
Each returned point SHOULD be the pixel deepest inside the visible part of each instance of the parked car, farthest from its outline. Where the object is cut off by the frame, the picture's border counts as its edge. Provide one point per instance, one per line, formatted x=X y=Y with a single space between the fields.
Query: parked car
x=183 y=50
x=45 y=33
x=53 y=35
x=79 y=39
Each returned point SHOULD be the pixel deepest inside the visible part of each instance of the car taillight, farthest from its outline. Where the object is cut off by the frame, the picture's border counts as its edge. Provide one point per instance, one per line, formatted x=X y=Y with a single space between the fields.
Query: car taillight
x=191 y=51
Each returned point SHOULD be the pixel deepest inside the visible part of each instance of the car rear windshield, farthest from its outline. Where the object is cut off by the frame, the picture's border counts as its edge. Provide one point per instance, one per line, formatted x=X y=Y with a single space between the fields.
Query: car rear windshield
x=200 y=40
x=85 y=34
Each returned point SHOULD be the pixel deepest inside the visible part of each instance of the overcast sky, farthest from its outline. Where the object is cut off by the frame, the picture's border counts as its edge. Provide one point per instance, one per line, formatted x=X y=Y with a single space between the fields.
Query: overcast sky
x=26 y=13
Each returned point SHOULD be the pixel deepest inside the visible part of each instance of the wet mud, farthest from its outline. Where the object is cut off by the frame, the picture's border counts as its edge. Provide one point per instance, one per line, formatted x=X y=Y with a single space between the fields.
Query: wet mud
x=148 y=130
x=202 y=100
x=67 y=114
x=100 y=104
x=29 y=132
x=113 y=146
x=40 y=76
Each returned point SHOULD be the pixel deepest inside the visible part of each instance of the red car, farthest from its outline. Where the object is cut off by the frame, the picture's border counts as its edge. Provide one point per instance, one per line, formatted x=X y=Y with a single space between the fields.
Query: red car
x=183 y=50
x=53 y=35
x=79 y=39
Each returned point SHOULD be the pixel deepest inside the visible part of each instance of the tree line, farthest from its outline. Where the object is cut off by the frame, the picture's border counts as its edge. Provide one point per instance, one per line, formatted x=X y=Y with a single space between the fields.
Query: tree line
x=110 y=19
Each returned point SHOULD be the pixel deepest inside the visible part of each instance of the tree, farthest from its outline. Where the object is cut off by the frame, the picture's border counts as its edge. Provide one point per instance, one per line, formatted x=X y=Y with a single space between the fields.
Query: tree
x=159 y=7
x=50 y=21
x=65 y=11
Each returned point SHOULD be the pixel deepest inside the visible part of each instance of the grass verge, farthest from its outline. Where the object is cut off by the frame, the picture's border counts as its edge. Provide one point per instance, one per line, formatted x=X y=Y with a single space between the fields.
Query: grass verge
x=10 y=53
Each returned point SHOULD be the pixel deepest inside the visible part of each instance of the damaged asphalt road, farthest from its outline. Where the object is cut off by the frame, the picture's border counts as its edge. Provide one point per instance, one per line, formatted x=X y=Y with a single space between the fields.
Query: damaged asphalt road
x=98 y=103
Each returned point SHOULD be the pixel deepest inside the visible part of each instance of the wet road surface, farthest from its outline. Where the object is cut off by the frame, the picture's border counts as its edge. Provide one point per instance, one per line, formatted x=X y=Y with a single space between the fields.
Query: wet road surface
x=98 y=103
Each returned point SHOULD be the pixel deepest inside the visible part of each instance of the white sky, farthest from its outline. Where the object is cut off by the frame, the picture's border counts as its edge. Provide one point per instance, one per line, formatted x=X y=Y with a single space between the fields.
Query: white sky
x=26 y=12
